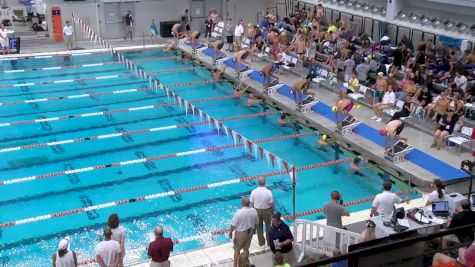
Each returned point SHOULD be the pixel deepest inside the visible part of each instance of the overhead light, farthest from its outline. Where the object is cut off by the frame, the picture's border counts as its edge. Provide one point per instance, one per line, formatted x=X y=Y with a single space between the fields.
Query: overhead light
x=461 y=27
x=334 y=2
x=383 y=11
x=366 y=7
x=448 y=25
x=358 y=5
x=341 y=2
x=402 y=15
x=424 y=20
x=436 y=22
x=374 y=9
x=413 y=17
x=350 y=4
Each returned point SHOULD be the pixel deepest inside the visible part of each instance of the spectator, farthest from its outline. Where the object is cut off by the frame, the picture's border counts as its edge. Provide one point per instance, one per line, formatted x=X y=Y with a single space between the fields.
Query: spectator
x=262 y=200
x=369 y=232
x=159 y=250
x=353 y=85
x=406 y=109
x=118 y=234
x=438 y=194
x=64 y=257
x=282 y=238
x=129 y=23
x=466 y=257
x=68 y=32
x=279 y=260
x=244 y=224
x=464 y=217
x=337 y=252
x=388 y=102
x=334 y=210
x=228 y=33
x=362 y=70
x=383 y=203
x=440 y=107
x=461 y=81
x=208 y=26
x=379 y=88
x=238 y=32
x=271 y=18
x=108 y=253
x=446 y=127
x=4 y=39
x=153 y=31
x=349 y=67
x=468 y=57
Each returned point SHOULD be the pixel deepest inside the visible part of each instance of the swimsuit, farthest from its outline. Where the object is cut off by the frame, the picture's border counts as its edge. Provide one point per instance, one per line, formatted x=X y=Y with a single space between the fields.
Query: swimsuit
x=399 y=129
x=348 y=107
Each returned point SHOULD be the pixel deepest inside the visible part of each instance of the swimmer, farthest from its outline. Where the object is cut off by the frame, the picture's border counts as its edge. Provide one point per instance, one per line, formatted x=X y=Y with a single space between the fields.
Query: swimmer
x=300 y=88
x=177 y=32
x=195 y=36
x=216 y=46
x=239 y=90
x=217 y=74
x=268 y=73
x=355 y=166
x=252 y=100
x=392 y=133
x=342 y=109
x=168 y=47
x=323 y=142
x=240 y=59
x=281 y=120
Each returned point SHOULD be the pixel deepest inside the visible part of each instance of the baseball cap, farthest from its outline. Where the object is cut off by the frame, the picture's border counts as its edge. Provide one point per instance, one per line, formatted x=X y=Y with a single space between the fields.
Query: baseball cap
x=63 y=244
x=380 y=74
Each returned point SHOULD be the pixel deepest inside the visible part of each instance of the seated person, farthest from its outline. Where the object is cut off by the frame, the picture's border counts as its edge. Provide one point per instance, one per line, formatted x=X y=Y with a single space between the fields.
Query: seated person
x=369 y=233
x=353 y=86
x=464 y=217
x=386 y=103
x=438 y=194
x=406 y=109
x=466 y=257
x=392 y=133
x=446 y=127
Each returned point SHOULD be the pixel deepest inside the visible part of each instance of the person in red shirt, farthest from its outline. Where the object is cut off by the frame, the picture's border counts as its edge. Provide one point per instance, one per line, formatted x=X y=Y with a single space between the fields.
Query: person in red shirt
x=159 y=250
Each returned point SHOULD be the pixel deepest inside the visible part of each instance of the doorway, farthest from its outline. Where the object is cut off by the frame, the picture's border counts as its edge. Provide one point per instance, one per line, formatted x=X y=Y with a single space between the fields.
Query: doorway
x=114 y=25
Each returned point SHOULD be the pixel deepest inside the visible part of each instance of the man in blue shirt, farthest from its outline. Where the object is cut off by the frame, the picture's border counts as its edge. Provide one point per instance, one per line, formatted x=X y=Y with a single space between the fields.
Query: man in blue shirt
x=281 y=238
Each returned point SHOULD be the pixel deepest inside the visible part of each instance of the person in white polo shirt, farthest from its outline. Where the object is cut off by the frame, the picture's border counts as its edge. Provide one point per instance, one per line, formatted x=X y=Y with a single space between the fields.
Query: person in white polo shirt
x=244 y=224
x=238 y=32
x=68 y=32
x=263 y=202
x=383 y=203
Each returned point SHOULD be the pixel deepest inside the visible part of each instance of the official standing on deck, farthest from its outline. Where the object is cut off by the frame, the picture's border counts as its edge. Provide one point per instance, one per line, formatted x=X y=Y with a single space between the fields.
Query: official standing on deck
x=263 y=201
x=244 y=224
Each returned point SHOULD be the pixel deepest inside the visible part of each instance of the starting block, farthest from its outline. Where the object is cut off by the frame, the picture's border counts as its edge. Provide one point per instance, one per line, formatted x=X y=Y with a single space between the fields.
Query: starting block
x=401 y=149
x=307 y=104
x=273 y=87
x=200 y=51
x=182 y=41
x=220 y=61
x=348 y=126
x=242 y=75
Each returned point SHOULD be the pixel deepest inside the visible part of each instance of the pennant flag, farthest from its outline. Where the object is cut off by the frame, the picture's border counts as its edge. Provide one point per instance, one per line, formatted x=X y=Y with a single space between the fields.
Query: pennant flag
x=272 y=159
x=250 y=146
x=279 y=162
x=267 y=154
x=244 y=141
x=234 y=136
x=255 y=149
x=261 y=151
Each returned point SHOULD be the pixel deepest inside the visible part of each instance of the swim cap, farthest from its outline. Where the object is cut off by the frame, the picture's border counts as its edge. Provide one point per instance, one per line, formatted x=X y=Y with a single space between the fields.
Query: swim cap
x=358 y=106
x=382 y=131
x=380 y=74
x=324 y=137
x=334 y=108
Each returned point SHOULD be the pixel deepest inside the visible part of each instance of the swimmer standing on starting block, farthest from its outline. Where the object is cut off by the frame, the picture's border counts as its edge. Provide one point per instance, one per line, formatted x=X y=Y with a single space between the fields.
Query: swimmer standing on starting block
x=195 y=36
x=177 y=32
x=240 y=60
x=268 y=73
x=392 y=133
x=342 y=109
x=300 y=88
x=216 y=46
x=355 y=166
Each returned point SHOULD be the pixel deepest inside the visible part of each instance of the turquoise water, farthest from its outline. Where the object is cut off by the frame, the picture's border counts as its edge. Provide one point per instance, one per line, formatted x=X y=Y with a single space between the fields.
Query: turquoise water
x=183 y=215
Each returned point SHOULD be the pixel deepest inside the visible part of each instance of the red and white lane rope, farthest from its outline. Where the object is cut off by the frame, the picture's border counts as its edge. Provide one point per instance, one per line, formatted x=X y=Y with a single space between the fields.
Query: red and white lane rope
x=164 y=194
x=53 y=55
x=171 y=70
x=115 y=92
x=87 y=65
x=68 y=80
x=226 y=230
x=101 y=113
x=134 y=132
x=155 y=158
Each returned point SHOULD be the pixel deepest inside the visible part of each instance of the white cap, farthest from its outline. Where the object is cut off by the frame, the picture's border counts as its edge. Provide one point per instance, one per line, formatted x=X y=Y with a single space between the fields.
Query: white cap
x=63 y=244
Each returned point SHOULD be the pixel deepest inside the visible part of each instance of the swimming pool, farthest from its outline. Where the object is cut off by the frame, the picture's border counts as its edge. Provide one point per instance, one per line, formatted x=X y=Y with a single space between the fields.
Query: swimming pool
x=54 y=127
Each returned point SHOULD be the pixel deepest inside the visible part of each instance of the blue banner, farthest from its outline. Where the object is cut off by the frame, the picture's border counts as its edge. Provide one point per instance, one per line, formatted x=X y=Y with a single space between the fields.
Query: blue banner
x=449 y=41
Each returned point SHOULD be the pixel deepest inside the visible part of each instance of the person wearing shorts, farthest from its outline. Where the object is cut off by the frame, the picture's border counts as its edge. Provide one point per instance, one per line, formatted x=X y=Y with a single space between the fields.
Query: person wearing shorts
x=392 y=133
x=342 y=109
x=68 y=32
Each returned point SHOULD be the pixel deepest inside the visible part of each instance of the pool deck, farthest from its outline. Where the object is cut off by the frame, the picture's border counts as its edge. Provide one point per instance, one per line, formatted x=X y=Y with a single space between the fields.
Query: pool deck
x=406 y=171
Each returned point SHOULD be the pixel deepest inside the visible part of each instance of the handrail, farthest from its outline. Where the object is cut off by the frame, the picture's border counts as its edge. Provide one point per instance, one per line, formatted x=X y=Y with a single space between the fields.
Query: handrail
x=397 y=244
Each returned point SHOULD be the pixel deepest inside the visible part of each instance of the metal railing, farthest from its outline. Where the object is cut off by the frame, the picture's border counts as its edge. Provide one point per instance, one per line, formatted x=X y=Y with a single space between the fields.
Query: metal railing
x=312 y=238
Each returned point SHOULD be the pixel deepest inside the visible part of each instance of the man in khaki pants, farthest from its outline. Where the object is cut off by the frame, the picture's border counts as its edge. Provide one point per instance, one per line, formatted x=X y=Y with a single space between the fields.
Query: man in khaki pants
x=263 y=202
x=244 y=223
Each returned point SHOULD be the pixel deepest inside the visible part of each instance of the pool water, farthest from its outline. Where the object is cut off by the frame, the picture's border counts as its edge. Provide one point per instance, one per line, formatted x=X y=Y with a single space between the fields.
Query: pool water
x=182 y=215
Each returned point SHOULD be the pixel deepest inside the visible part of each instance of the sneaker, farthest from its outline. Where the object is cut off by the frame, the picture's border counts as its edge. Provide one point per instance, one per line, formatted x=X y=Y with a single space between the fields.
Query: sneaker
x=432 y=146
x=374 y=117
x=379 y=119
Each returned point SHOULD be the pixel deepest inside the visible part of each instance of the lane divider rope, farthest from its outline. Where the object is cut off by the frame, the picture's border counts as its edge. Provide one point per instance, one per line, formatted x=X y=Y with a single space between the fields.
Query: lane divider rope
x=169 y=193
x=68 y=80
x=87 y=65
x=101 y=113
x=133 y=132
x=226 y=230
x=48 y=99
x=156 y=158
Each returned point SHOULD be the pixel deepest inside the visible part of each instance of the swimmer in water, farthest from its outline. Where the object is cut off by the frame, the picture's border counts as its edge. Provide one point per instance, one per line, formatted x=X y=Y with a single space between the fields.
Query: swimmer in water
x=195 y=36
x=239 y=90
x=323 y=142
x=300 y=88
x=268 y=73
x=168 y=47
x=392 y=133
x=252 y=100
x=217 y=74
x=355 y=166
x=343 y=109
x=281 y=120
x=177 y=32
